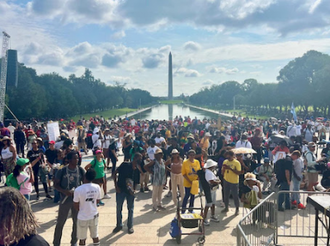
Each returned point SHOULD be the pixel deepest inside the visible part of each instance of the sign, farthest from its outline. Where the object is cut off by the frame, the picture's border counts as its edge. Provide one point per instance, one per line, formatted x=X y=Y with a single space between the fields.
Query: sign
x=279 y=155
x=53 y=130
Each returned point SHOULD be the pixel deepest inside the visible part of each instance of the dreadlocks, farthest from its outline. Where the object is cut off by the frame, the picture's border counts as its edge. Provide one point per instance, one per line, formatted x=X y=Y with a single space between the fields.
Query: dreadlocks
x=16 y=216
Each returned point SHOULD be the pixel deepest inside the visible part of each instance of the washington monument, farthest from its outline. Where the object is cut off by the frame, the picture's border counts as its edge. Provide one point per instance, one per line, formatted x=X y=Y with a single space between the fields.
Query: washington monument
x=170 y=77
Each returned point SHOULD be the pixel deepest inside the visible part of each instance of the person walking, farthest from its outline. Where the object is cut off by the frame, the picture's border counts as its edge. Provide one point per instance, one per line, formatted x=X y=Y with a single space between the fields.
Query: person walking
x=124 y=184
x=98 y=164
x=85 y=199
x=105 y=145
x=24 y=175
x=67 y=179
x=20 y=141
x=231 y=169
x=81 y=136
x=39 y=169
x=157 y=169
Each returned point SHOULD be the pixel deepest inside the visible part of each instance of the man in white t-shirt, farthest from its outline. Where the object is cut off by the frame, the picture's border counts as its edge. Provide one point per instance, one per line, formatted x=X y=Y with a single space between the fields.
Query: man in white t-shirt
x=86 y=197
x=11 y=129
x=159 y=139
x=243 y=142
x=96 y=139
x=152 y=149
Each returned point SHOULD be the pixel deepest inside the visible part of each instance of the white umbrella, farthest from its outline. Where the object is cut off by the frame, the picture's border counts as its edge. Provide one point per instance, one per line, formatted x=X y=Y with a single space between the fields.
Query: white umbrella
x=243 y=150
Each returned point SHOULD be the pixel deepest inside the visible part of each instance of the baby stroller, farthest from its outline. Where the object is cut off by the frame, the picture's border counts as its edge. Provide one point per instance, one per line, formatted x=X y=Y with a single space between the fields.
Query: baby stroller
x=189 y=221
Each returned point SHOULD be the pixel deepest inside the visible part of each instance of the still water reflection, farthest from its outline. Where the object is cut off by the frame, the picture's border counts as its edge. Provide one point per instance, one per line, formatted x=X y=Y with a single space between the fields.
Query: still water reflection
x=168 y=112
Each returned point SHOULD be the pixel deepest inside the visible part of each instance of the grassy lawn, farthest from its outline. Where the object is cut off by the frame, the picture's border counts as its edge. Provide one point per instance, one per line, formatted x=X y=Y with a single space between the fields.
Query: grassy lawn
x=106 y=114
x=170 y=101
x=242 y=112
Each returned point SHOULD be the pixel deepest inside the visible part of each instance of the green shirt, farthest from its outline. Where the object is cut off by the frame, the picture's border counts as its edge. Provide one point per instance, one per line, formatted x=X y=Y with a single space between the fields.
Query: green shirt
x=98 y=167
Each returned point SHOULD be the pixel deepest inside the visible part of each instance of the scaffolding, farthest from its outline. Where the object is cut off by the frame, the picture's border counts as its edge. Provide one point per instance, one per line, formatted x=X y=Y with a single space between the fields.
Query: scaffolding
x=3 y=79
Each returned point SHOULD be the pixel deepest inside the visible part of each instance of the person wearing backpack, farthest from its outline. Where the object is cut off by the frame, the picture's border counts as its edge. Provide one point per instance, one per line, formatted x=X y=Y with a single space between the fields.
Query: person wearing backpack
x=67 y=179
x=99 y=165
x=23 y=173
x=310 y=160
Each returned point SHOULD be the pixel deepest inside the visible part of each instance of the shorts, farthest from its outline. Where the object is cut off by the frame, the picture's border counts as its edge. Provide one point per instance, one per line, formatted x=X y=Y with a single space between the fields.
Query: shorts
x=144 y=178
x=312 y=178
x=214 y=197
x=98 y=181
x=106 y=152
x=83 y=225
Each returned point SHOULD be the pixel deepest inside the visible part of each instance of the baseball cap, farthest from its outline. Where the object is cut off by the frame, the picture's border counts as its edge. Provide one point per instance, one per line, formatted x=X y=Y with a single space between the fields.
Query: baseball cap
x=52 y=142
x=22 y=161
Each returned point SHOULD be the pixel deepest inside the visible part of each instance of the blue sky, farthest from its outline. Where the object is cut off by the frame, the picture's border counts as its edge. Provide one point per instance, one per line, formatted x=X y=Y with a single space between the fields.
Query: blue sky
x=128 y=41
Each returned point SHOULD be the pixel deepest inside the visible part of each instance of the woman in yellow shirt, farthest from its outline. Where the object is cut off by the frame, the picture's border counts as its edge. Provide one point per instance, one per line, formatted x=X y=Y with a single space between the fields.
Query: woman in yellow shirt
x=189 y=172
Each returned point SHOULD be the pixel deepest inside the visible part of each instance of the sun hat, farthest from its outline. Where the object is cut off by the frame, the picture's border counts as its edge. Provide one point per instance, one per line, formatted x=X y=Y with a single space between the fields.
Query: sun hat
x=6 y=138
x=175 y=151
x=158 y=151
x=210 y=163
x=22 y=161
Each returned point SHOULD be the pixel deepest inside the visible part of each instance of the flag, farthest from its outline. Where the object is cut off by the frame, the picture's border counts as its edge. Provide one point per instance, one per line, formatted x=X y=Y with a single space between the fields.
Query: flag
x=293 y=112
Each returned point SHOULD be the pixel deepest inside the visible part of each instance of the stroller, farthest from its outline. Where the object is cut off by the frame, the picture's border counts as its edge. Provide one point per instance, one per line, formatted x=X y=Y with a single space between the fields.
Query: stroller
x=190 y=220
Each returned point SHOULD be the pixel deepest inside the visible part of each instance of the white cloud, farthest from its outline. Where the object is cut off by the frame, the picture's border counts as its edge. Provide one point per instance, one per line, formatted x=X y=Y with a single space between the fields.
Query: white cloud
x=119 y=35
x=188 y=72
x=191 y=45
x=228 y=71
x=280 y=15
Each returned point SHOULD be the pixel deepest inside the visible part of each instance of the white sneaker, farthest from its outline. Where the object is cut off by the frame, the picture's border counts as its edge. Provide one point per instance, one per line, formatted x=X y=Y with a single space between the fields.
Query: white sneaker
x=214 y=219
x=106 y=196
x=206 y=222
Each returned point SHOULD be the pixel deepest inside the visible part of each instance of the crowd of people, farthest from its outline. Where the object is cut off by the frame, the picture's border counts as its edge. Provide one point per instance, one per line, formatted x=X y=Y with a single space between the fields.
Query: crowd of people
x=184 y=157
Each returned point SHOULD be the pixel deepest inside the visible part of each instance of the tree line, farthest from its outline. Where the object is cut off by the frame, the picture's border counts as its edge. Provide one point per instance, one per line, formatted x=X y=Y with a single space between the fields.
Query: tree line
x=51 y=96
x=304 y=81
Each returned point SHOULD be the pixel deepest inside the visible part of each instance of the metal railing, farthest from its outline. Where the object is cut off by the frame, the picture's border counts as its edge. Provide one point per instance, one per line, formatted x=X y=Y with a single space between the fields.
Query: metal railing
x=257 y=227
x=299 y=223
x=266 y=225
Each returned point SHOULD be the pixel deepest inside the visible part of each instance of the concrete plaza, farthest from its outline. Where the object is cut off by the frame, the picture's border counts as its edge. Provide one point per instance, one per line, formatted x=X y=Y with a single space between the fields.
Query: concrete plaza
x=152 y=228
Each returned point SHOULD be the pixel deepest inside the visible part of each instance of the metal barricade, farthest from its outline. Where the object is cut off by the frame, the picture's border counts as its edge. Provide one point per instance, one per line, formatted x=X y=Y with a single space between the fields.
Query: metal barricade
x=266 y=225
x=258 y=226
x=292 y=224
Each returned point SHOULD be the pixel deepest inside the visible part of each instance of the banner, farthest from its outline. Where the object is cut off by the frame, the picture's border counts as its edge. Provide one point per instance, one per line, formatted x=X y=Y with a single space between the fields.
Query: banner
x=53 y=130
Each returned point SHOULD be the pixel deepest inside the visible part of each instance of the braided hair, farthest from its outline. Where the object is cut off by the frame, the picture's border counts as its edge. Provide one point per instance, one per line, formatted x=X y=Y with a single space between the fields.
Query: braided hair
x=16 y=216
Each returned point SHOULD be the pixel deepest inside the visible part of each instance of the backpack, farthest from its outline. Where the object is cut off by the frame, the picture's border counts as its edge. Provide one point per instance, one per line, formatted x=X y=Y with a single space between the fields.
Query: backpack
x=174 y=229
x=12 y=182
x=305 y=159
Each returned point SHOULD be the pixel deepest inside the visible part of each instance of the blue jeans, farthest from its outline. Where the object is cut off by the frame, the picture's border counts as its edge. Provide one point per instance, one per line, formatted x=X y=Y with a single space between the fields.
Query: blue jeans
x=27 y=196
x=296 y=187
x=57 y=196
x=282 y=197
x=120 y=198
x=185 y=200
